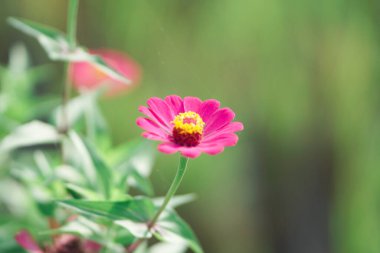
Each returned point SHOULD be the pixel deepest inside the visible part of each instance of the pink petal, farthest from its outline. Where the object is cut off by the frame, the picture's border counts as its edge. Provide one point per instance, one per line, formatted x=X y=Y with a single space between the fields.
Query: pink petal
x=92 y=246
x=230 y=128
x=150 y=126
x=168 y=148
x=160 y=108
x=191 y=104
x=175 y=103
x=152 y=136
x=218 y=120
x=224 y=140
x=211 y=149
x=190 y=152
x=208 y=108
x=85 y=76
x=155 y=118
x=25 y=240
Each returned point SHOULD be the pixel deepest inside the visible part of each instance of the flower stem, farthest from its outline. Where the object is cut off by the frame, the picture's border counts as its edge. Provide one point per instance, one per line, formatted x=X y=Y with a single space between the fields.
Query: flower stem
x=172 y=190
x=71 y=34
x=72 y=23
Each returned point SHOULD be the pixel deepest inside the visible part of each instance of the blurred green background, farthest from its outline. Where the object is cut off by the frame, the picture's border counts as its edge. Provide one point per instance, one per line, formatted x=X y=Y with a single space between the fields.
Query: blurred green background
x=303 y=77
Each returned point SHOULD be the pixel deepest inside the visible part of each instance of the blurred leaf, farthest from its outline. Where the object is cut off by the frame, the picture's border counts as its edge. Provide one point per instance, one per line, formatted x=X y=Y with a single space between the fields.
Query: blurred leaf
x=77 y=108
x=57 y=47
x=99 y=63
x=168 y=247
x=53 y=41
x=172 y=228
x=69 y=174
x=43 y=164
x=134 y=162
x=139 y=155
x=83 y=192
x=92 y=231
x=141 y=183
x=132 y=214
x=39 y=31
x=79 y=226
x=30 y=134
x=20 y=204
x=143 y=248
x=18 y=59
x=176 y=200
x=93 y=165
x=139 y=209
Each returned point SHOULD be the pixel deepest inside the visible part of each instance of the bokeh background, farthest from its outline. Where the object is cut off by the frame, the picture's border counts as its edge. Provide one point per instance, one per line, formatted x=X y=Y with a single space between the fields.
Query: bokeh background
x=303 y=76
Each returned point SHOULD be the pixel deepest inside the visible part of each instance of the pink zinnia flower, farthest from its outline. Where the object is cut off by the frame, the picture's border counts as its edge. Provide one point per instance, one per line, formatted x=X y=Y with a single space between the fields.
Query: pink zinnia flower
x=189 y=125
x=85 y=76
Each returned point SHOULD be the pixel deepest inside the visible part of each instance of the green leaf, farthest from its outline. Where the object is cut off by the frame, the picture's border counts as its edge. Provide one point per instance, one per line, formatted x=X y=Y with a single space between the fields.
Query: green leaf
x=139 y=209
x=79 y=226
x=133 y=214
x=42 y=164
x=90 y=230
x=143 y=248
x=176 y=201
x=36 y=30
x=99 y=63
x=70 y=174
x=134 y=162
x=172 y=228
x=53 y=41
x=168 y=247
x=41 y=194
x=139 y=155
x=30 y=134
x=57 y=47
x=141 y=183
x=93 y=165
x=77 y=107
x=83 y=192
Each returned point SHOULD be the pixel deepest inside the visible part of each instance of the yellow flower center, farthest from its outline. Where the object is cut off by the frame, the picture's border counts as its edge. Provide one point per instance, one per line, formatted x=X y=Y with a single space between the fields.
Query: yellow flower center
x=188 y=129
x=189 y=122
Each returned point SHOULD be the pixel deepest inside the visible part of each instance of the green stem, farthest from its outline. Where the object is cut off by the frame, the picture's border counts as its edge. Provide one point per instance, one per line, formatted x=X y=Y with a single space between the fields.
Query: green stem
x=172 y=190
x=71 y=34
x=72 y=23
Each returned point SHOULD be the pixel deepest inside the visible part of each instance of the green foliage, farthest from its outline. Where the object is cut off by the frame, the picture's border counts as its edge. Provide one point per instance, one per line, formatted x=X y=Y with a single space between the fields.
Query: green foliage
x=135 y=215
x=57 y=47
x=61 y=159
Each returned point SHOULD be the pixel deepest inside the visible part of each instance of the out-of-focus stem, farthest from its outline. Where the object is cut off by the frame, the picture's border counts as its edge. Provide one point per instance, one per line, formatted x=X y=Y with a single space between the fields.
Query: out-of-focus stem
x=71 y=38
x=72 y=23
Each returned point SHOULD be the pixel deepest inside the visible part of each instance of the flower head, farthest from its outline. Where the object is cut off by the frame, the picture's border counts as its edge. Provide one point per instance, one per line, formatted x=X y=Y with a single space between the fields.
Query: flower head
x=189 y=125
x=85 y=76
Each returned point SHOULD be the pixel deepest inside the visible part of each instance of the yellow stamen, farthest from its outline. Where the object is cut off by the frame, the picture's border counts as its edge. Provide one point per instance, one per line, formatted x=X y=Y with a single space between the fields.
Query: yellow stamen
x=188 y=122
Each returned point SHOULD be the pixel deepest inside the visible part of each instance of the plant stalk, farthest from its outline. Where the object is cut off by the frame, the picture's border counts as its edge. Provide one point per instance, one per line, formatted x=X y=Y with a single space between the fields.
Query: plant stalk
x=72 y=23
x=71 y=38
x=172 y=190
